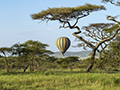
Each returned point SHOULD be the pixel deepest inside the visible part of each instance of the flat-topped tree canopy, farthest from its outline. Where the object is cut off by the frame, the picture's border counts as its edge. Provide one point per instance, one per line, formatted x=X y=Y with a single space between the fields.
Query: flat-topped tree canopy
x=66 y=13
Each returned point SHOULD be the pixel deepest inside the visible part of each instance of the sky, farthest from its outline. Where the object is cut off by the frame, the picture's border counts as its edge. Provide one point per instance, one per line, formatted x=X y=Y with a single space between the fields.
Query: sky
x=16 y=25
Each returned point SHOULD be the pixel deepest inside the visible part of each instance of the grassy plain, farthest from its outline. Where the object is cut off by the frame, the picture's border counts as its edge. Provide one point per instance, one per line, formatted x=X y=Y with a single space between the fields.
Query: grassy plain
x=60 y=80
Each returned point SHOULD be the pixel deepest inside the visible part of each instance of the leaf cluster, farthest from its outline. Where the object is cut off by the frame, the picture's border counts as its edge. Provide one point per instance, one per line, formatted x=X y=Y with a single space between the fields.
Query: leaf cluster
x=111 y=29
x=96 y=31
x=35 y=48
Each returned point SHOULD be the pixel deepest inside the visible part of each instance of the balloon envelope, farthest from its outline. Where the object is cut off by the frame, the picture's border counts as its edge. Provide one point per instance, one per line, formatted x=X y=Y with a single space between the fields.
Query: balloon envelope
x=62 y=44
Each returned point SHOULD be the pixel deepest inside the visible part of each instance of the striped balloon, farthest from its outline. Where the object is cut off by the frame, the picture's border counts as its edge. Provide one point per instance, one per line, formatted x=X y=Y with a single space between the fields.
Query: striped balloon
x=63 y=44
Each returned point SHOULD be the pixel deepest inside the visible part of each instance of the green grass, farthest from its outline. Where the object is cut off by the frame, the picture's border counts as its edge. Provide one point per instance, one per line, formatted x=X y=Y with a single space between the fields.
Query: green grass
x=59 y=80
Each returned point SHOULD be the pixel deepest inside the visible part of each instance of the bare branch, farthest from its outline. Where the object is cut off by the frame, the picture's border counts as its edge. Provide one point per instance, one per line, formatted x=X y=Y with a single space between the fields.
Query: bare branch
x=115 y=2
x=88 y=43
x=112 y=19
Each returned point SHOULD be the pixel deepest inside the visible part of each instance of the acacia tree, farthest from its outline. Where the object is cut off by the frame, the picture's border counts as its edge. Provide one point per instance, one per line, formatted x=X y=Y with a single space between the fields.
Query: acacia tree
x=96 y=33
x=34 y=49
x=65 y=14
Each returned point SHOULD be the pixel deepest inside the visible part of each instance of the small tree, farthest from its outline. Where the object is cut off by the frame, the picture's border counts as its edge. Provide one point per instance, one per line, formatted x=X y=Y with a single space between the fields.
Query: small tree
x=112 y=55
x=6 y=51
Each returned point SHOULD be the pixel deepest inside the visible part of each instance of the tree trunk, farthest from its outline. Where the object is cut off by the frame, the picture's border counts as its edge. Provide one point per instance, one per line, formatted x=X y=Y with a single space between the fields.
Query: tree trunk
x=32 y=66
x=92 y=61
x=100 y=63
x=26 y=67
x=8 y=68
x=37 y=66
x=7 y=64
x=99 y=55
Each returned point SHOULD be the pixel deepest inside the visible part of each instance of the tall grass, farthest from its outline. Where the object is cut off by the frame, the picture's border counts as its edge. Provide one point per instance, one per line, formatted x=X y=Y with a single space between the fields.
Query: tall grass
x=59 y=80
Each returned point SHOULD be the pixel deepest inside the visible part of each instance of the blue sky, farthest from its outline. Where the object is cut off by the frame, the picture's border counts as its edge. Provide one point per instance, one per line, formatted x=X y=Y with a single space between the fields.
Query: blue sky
x=16 y=24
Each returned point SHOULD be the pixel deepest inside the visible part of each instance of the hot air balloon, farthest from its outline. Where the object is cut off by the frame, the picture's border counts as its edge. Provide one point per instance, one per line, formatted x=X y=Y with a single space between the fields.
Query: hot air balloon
x=63 y=44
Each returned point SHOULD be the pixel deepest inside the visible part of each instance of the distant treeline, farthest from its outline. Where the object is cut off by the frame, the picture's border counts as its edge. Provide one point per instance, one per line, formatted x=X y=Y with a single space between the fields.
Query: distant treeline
x=32 y=55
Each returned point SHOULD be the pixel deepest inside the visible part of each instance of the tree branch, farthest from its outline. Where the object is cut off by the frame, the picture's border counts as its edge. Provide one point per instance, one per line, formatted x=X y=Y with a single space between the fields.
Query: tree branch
x=88 y=43
x=109 y=38
x=84 y=15
x=118 y=3
x=74 y=25
x=112 y=19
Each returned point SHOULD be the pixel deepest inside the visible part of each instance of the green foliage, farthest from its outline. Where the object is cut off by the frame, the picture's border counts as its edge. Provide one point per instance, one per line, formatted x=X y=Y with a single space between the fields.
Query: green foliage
x=98 y=63
x=35 y=47
x=87 y=60
x=5 y=51
x=48 y=65
x=66 y=62
x=111 y=29
x=15 y=63
x=111 y=57
x=2 y=63
x=67 y=59
x=66 y=13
